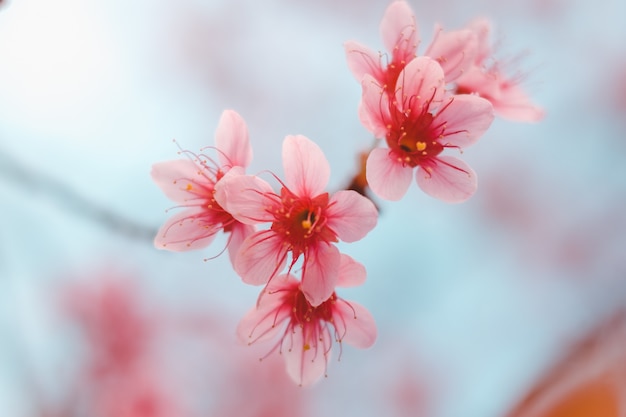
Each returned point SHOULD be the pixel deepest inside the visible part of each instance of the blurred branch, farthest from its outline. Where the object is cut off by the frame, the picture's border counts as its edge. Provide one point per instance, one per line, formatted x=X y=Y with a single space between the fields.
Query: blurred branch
x=18 y=174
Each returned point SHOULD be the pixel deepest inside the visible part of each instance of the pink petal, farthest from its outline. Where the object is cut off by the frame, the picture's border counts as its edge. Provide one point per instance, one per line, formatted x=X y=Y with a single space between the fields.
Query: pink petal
x=231 y=140
x=515 y=105
x=320 y=273
x=355 y=325
x=477 y=80
x=306 y=169
x=264 y=321
x=182 y=180
x=239 y=232
x=508 y=98
x=350 y=215
x=481 y=28
x=190 y=229
x=278 y=285
x=351 y=272
x=455 y=51
x=260 y=257
x=448 y=179
x=362 y=60
x=306 y=360
x=466 y=118
x=419 y=84
x=399 y=31
x=374 y=107
x=387 y=177
x=245 y=197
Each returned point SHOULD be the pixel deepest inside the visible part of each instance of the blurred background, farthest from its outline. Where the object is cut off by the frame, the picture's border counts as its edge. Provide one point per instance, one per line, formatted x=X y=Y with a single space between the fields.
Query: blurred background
x=474 y=303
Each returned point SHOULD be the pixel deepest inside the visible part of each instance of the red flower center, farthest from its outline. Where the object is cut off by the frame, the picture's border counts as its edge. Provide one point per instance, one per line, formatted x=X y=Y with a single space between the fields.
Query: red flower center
x=301 y=221
x=303 y=313
x=414 y=139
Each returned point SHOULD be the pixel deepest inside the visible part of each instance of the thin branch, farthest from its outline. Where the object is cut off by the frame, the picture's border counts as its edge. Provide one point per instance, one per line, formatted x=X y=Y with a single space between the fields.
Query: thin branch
x=26 y=178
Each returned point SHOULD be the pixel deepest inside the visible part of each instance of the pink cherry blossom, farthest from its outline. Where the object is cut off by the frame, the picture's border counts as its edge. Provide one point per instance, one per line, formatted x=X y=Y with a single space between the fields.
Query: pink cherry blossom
x=453 y=50
x=114 y=322
x=305 y=220
x=486 y=78
x=305 y=332
x=419 y=122
x=191 y=182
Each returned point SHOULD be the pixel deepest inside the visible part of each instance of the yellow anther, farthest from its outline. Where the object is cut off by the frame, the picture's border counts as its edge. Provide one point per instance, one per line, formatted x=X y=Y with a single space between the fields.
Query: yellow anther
x=306 y=347
x=189 y=187
x=306 y=224
x=420 y=146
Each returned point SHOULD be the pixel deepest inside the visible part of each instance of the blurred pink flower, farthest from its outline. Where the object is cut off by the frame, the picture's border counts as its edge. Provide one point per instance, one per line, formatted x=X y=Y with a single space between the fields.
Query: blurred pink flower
x=138 y=394
x=486 y=78
x=117 y=329
x=306 y=332
x=191 y=182
x=419 y=122
x=121 y=375
x=306 y=221
x=453 y=50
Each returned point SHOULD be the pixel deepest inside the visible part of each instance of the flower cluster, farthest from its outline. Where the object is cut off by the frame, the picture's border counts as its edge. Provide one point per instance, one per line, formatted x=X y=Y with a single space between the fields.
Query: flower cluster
x=284 y=238
x=423 y=105
x=304 y=222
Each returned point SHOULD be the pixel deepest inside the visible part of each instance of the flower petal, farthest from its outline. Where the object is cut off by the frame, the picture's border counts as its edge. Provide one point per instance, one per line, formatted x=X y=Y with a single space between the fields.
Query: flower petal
x=306 y=169
x=306 y=354
x=350 y=215
x=362 y=60
x=260 y=257
x=245 y=197
x=231 y=140
x=182 y=180
x=419 y=84
x=455 y=51
x=514 y=104
x=374 y=107
x=466 y=118
x=387 y=177
x=351 y=272
x=448 y=179
x=399 y=31
x=482 y=29
x=191 y=229
x=264 y=322
x=354 y=324
x=239 y=232
x=509 y=100
x=320 y=273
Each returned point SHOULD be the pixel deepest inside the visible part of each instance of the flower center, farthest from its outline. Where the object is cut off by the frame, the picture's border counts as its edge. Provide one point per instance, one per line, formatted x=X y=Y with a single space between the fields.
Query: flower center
x=303 y=313
x=413 y=139
x=301 y=221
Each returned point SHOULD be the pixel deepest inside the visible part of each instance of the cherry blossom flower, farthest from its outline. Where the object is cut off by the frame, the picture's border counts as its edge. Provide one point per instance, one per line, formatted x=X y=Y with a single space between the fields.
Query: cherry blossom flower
x=486 y=78
x=114 y=323
x=305 y=220
x=419 y=122
x=191 y=182
x=121 y=374
x=453 y=50
x=306 y=332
